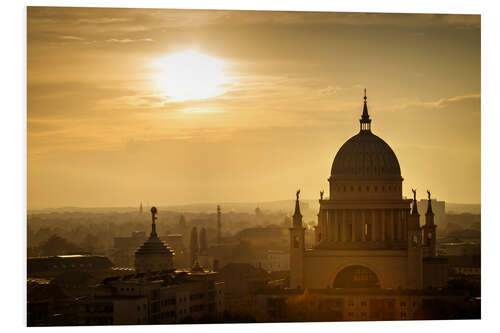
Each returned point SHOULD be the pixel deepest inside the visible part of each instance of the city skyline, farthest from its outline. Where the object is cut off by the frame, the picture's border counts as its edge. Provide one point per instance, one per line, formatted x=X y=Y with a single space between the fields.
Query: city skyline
x=281 y=92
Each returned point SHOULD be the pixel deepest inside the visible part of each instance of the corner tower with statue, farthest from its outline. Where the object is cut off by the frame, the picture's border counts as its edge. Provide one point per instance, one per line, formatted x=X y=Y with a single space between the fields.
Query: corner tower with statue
x=368 y=235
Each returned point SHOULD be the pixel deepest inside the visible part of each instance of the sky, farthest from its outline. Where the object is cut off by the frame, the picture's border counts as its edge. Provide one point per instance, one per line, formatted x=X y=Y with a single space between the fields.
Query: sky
x=183 y=106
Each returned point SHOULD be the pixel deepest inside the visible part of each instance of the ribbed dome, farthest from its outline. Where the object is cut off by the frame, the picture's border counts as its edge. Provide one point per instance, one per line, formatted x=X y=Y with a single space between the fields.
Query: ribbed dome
x=365 y=156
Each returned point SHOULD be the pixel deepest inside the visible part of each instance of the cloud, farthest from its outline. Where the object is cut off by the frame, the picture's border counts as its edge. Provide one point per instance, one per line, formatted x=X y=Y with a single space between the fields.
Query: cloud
x=105 y=20
x=128 y=40
x=330 y=91
x=71 y=38
x=445 y=101
x=439 y=104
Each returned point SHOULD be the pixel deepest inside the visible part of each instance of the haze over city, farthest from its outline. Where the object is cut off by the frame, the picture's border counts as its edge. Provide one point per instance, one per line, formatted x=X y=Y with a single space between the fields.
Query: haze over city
x=175 y=106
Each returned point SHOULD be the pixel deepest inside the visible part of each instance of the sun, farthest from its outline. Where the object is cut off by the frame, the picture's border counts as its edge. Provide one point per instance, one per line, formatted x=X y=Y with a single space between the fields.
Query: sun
x=190 y=75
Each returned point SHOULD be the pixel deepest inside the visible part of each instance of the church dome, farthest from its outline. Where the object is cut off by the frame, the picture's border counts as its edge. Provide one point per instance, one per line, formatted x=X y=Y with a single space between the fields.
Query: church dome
x=365 y=156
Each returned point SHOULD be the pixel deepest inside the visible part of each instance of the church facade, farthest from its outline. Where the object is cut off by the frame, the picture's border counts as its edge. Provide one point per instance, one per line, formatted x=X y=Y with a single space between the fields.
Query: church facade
x=368 y=235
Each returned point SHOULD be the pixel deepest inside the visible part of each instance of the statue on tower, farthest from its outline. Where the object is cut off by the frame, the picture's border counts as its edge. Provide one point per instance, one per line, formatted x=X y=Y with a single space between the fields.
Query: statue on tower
x=297 y=194
x=321 y=195
x=154 y=211
x=414 y=194
x=429 y=195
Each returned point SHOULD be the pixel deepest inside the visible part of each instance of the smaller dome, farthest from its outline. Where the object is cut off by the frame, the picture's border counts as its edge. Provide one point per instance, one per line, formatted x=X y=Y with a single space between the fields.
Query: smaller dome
x=154 y=246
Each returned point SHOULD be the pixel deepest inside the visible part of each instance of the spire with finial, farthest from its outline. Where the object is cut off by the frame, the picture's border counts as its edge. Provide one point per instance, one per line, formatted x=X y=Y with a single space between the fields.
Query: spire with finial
x=154 y=211
x=429 y=205
x=365 y=121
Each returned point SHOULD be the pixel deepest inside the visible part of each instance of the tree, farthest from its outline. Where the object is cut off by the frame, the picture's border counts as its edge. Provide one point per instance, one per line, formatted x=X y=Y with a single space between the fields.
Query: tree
x=57 y=245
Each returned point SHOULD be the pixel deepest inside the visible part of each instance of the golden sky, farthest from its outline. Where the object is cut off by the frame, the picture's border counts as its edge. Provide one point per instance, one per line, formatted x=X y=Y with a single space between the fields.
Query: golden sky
x=173 y=106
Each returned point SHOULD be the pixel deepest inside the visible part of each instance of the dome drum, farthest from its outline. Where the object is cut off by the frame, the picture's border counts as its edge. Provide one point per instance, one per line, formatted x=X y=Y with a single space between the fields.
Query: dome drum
x=355 y=189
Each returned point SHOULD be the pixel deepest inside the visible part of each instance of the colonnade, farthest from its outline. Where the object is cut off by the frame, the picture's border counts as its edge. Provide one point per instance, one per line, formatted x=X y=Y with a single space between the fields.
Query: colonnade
x=363 y=225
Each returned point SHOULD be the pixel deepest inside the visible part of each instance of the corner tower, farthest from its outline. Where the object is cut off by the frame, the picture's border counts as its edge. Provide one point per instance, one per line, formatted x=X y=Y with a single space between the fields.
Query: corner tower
x=429 y=230
x=297 y=248
x=415 y=251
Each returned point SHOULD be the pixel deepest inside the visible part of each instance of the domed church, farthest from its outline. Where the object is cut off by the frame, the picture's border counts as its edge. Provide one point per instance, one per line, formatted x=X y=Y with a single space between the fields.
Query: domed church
x=368 y=235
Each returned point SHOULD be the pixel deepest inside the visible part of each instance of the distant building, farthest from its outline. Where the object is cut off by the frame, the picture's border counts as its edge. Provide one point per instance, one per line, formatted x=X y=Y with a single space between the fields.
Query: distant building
x=276 y=260
x=176 y=243
x=54 y=266
x=124 y=248
x=439 y=209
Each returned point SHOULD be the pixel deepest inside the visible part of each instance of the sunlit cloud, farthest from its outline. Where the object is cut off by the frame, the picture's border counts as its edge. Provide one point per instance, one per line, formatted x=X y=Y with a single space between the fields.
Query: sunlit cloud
x=71 y=38
x=128 y=40
x=166 y=83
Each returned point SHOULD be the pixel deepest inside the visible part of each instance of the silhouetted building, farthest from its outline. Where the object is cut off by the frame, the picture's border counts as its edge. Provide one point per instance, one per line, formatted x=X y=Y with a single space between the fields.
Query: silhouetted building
x=50 y=267
x=367 y=236
x=123 y=252
x=157 y=297
x=219 y=225
x=113 y=310
x=439 y=209
x=276 y=260
x=241 y=283
x=278 y=305
x=203 y=240
x=176 y=243
x=194 y=246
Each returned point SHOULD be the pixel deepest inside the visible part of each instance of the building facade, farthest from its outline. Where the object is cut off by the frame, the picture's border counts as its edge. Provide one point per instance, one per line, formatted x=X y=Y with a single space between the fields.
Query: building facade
x=155 y=298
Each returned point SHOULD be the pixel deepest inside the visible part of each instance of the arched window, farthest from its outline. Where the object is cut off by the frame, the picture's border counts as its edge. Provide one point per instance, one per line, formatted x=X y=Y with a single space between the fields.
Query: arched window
x=356 y=277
